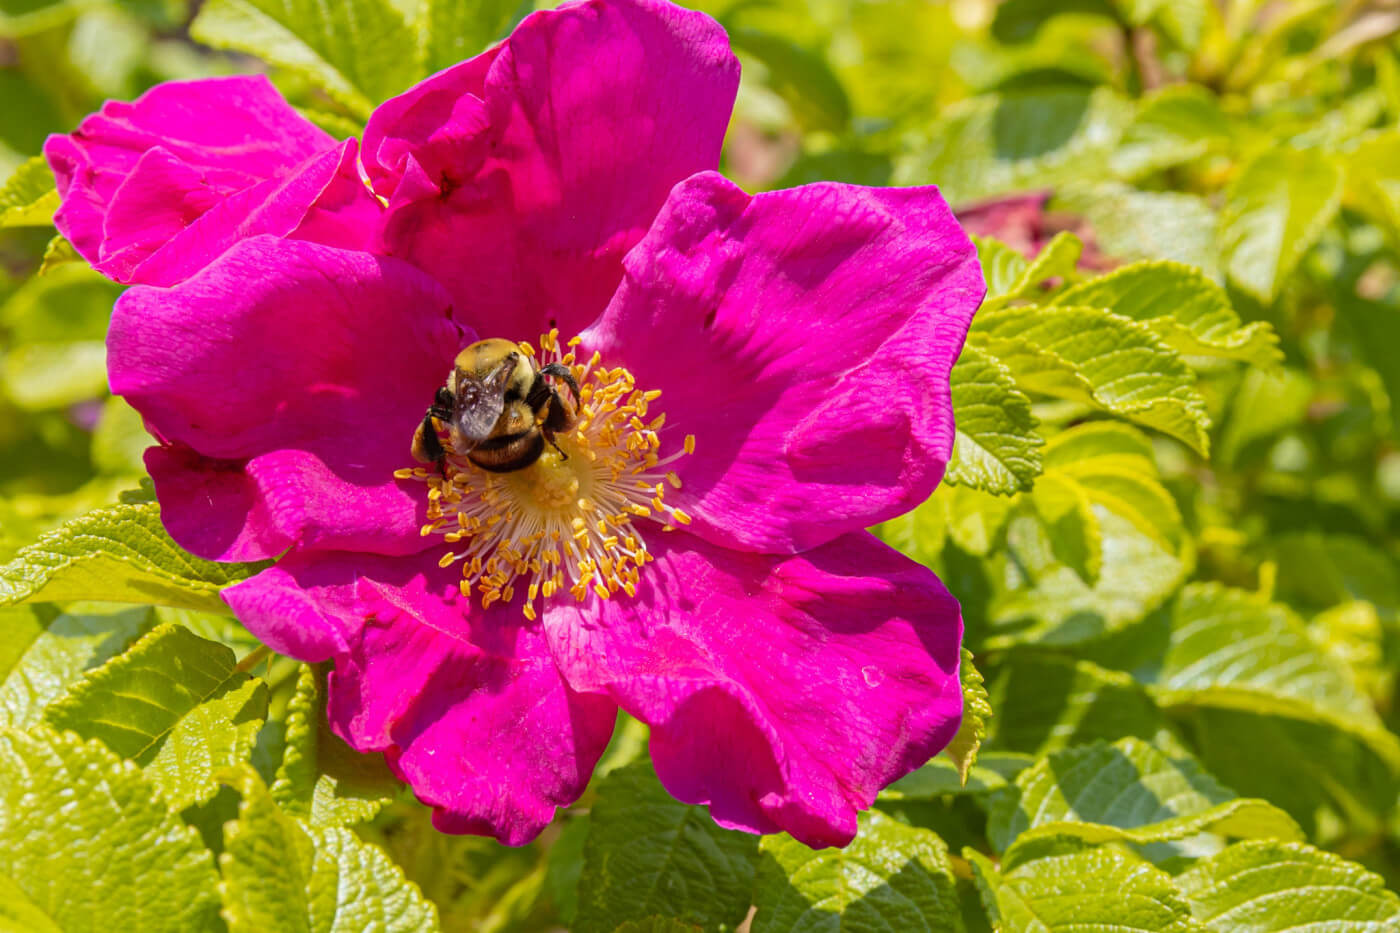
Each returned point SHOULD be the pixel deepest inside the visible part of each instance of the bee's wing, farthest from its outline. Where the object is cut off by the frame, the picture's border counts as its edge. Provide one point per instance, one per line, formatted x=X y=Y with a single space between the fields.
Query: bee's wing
x=480 y=403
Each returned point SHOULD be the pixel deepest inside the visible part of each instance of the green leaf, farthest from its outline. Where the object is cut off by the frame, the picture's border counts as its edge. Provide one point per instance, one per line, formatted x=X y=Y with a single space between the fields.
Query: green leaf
x=120 y=553
x=43 y=650
x=1130 y=224
x=976 y=711
x=1265 y=404
x=280 y=875
x=1000 y=143
x=1124 y=792
x=1188 y=311
x=1275 y=210
x=975 y=519
x=1092 y=356
x=28 y=198
x=647 y=854
x=91 y=845
x=1002 y=266
x=359 y=51
x=1230 y=649
x=57 y=254
x=321 y=779
x=921 y=532
x=120 y=440
x=175 y=704
x=657 y=925
x=57 y=323
x=455 y=30
x=1103 y=888
x=1070 y=524
x=801 y=76
x=1057 y=259
x=1373 y=180
x=1047 y=702
x=1111 y=466
x=891 y=877
x=1175 y=124
x=995 y=445
x=1277 y=887
x=940 y=777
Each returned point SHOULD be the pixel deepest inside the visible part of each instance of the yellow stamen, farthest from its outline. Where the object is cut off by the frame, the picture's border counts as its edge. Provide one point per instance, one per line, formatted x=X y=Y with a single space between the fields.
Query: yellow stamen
x=566 y=522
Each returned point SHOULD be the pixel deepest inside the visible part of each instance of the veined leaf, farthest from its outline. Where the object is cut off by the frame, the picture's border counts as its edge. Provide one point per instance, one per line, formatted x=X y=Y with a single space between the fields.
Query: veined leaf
x=648 y=854
x=1090 y=355
x=1103 y=888
x=1275 y=210
x=1188 y=311
x=1002 y=266
x=279 y=875
x=1137 y=576
x=1231 y=649
x=1057 y=259
x=321 y=779
x=1278 y=887
x=90 y=845
x=1046 y=702
x=995 y=447
x=28 y=198
x=1125 y=792
x=962 y=751
x=174 y=703
x=359 y=51
x=120 y=553
x=891 y=877
x=43 y=650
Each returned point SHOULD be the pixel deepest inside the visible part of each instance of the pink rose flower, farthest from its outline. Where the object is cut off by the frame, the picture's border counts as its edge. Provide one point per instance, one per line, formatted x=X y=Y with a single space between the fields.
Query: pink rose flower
x=762 y=377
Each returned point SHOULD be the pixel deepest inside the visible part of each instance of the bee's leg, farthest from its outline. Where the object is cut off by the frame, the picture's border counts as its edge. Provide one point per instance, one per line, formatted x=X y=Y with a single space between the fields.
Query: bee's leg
x=427 y=447
x=560 y=371
x=549 y=436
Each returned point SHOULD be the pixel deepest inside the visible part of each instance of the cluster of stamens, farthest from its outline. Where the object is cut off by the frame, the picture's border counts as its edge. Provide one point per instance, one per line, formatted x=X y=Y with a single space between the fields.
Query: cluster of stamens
x=564 y=523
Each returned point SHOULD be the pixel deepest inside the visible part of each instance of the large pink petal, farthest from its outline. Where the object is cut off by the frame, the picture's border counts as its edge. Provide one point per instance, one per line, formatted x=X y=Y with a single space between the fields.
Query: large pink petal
x=784 y=692
x=323 y=200
x=805 y=338
x=467 y=705
x=133 y=174
x=519 y=179
x=289 y=377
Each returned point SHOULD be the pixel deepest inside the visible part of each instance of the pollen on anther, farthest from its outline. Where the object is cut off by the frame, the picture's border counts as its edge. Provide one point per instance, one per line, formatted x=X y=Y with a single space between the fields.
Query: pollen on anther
x=515 y=527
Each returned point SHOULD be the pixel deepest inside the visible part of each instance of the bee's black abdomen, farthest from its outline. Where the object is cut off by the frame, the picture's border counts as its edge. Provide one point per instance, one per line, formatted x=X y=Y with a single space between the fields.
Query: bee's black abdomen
x=507 y=454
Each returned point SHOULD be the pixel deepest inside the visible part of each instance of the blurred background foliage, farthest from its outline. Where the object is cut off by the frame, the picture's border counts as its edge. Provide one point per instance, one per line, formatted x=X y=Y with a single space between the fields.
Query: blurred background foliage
x=1188 y=551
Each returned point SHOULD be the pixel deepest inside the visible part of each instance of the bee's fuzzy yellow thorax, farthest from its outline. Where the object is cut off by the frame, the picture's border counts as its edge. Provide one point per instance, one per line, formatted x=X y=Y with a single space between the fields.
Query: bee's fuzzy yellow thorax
x=564 y=523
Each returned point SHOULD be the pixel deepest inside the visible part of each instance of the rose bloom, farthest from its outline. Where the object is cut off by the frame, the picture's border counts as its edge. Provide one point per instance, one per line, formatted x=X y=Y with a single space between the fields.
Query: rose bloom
x=761 y=378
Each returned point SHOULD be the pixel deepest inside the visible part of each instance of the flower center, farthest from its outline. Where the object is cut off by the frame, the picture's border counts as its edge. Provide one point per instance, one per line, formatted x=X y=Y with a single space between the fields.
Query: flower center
x=566 y=521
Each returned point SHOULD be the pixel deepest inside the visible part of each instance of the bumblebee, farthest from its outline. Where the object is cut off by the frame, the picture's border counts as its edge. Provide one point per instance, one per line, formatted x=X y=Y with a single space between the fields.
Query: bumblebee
x=500 y=408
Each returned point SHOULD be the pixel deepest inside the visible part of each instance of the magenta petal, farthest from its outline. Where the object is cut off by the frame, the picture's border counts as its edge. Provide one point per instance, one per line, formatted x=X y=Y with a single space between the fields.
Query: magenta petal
x=784 y=692
x=304 y=607
x=291 y=376
x=522 y=192
x=323 y=200
x=467 y=704
x=805 y=338
x=217 y=136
